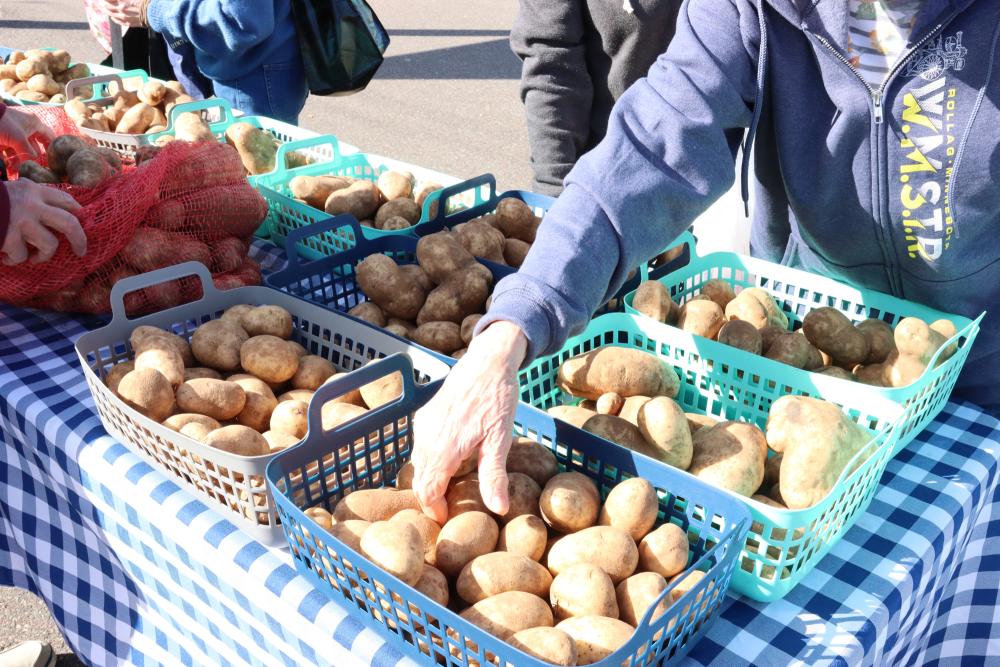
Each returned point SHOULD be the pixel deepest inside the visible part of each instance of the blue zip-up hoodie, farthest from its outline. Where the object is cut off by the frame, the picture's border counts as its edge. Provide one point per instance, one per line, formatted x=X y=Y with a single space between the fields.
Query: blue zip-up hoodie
x=894 y=189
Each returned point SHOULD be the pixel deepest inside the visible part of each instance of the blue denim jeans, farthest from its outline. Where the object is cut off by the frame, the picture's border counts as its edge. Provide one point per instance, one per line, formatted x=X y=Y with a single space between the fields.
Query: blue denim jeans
x=276 y=90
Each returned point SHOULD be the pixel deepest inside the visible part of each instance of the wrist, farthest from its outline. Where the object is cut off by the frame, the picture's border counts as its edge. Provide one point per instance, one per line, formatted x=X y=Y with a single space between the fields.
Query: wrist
x=505 y=340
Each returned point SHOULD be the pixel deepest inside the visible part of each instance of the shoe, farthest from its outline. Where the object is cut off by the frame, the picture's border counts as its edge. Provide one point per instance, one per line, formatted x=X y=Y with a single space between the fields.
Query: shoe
x=29 y=654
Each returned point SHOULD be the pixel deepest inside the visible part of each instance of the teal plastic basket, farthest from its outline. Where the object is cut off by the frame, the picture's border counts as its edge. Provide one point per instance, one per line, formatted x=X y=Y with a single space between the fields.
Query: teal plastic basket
x=797 y=292
x=368 y=452
x=286 y=214
x=783 y=546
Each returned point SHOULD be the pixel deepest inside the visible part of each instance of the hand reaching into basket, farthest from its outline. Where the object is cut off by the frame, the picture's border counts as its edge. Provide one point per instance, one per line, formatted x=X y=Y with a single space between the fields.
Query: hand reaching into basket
x=471 y=415
x=36 y=211
x=16 y=130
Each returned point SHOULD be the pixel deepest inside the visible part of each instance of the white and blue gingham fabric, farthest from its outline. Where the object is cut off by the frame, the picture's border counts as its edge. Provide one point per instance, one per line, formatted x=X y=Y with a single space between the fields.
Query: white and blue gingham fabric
x=138 y=571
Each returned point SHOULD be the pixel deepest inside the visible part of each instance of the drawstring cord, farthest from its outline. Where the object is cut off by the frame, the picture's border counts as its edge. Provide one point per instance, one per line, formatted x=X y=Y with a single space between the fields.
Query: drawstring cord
x=757 y=107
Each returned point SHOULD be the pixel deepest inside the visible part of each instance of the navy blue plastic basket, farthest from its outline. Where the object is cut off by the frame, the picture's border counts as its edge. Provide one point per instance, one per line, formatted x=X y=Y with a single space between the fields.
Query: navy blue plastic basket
x=368 y=452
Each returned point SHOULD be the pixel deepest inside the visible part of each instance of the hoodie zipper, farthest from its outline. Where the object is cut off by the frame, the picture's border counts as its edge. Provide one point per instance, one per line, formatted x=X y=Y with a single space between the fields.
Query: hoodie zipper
x=877 y=96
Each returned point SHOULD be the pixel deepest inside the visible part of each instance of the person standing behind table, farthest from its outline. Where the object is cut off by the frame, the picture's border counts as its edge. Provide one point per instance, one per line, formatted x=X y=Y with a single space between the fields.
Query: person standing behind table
x=29 y=212
x=579 y=57
x=249 y=50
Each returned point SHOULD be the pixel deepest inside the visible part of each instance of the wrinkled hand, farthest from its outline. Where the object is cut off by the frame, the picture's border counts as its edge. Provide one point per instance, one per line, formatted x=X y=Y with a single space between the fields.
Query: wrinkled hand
x=131 y=13
x=34 y=211
x=471 y=415
x=16 y=130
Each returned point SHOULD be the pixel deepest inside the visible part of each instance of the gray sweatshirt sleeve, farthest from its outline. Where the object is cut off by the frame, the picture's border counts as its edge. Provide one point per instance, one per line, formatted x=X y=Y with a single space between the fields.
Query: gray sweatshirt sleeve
x=548 y=36
x=669 y=153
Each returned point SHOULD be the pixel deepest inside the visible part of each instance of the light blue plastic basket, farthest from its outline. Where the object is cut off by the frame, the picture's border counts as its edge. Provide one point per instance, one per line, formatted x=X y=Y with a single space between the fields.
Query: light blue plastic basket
x=797 y=292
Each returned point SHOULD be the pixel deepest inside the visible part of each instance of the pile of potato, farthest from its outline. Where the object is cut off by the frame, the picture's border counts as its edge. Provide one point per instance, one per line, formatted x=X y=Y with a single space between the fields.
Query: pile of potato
x=561 y=576
x=73 y=160
x=870 y=352
x=504 y=236
x=394 y=201
x=39 y=76
x=240 y=385
x=139 y=108
x=436 y=302
x=628 y=399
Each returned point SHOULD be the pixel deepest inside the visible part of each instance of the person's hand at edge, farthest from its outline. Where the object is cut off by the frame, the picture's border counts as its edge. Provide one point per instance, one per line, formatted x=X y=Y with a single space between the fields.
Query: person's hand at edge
x=36 y=211
x=471 y=415
x=18 y=127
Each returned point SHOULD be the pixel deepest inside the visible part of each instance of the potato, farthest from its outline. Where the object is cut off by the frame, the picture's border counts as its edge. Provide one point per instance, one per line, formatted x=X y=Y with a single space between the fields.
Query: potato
x=548 y=644
x=434 y=585
x=730 y=455
x=152 y=93
x=16 y=56
x=533 y=459
x=516 y=220
x=149 y=392
x=582 y=589
x=741 y=335
x=664 y=551
x=278 y=441
x=572 y=414
x=197 y=431
x=297 y=348
x=374 y=504
x=609 y=404
x=239 y=440
x=772 y=471
x=29 y=68
x=87 y=169
x=8 y=71
x=880 y=340
x=622 y=432
x=947 y=329
x=290 y=417
x=313 y=371
x=179 y=421
x=462 y=539
x=631 y=506
x=337 y=414
x=569 y=502
x=701 y=317
x=440 y=255
x=756 y=306
x=383 y=281
x=625 y=371
x=524 y=535
x=630 y=408
x=165 y=360
x=815 y=359
x=524 y=494
x=914 y=338
x=481 y=240
x=718 y=291
x=138 y=119
x=609 y=548
x=637 y=594
x=151 y=338
x=697 y=422
x=350 y=531
x=256 y=147
x=830 y=331
x=33 y=171
x=510 y=612
x=404 y=477
x=43 y=83
x=369 y=312
x=58 y=98
x=685 y=582
x=403 y=207
x=260 y=402
x=443 y=337
x=426 y=527
x=303 y=395
x=596 y=637
x=269 y=358
x=217 y=344
x=395 y=184
x=61 y=150
x=31 y=95
x=499 y=572
x=652 y=299
x=463 y=495
x=396 y=548
x=360 y=199
x=790 y=348
x=321 y=516
x=464 y=293
x=817 y=441
x=838 y=372
x=663 y=425
x=234 y=314
x=267 y=321
x=116 y=373
x=353 y=396
x=315 y=190
x=190 y=126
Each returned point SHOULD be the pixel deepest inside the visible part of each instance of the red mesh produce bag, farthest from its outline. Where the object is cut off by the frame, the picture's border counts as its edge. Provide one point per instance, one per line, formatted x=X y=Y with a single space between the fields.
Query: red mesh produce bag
x=186 y=202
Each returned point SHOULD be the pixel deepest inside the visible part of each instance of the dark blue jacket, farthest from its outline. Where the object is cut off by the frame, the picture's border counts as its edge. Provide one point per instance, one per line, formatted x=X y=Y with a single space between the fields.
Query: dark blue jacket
x=893 y=189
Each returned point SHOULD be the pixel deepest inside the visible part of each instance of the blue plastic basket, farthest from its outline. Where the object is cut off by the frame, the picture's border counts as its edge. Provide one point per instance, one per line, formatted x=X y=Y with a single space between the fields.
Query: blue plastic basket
x=797 y=292
x=782 y=546
x=368 y=452
x=329 y=281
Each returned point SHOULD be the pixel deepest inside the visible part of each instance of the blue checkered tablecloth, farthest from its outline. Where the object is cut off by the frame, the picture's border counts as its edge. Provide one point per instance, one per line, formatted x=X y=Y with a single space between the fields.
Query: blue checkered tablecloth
x=137 y=571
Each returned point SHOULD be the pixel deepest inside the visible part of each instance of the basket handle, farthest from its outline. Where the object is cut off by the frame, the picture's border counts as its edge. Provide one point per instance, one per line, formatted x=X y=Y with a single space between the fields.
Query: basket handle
x=296 y=236
x=284 y=149
x=969 y=331
x=102 y=80
x=355 y=380
x=164 y=275
x=200 y=105
x=445 y=194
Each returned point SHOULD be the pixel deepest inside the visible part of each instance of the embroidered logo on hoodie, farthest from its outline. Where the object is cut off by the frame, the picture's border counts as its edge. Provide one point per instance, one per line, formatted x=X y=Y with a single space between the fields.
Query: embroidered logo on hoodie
x=939 y=55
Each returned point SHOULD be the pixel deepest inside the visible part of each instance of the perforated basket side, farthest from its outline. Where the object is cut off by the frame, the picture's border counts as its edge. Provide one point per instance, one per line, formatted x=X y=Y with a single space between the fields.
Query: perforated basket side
x=718 y=381
x=368 y=453
x=233 y=484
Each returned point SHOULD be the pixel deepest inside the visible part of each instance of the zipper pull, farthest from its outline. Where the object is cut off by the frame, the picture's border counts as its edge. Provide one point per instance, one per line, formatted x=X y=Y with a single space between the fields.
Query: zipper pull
x=877 y=99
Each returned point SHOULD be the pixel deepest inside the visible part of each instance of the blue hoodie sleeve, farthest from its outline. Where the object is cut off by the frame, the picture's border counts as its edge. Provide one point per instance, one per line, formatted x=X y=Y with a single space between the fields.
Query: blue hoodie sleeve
x=669 y=153
x=213 y=26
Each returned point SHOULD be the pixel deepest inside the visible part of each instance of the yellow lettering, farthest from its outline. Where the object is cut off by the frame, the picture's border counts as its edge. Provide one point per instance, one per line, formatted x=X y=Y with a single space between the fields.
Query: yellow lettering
x=920 y=163
x=911 y=198
x=913 y=113
x=950 y=105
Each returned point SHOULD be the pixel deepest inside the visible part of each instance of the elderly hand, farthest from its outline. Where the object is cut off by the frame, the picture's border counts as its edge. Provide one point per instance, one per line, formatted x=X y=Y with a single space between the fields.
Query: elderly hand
x=34 y=210
x=471 y=415
x=17 y=128
x=131 y=13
